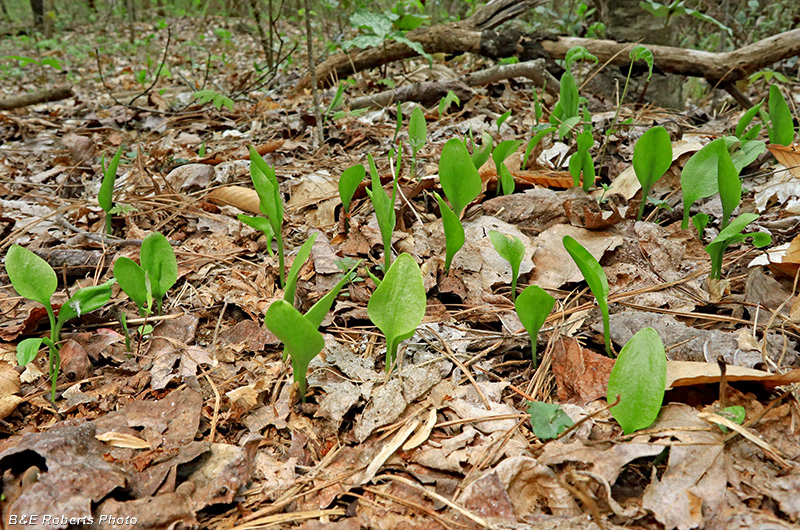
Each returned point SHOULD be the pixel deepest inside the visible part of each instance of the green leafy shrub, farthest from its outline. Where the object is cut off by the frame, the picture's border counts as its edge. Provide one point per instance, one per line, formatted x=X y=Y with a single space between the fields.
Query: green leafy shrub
x=638 y=377
x=398 y=304
x=34 y=279
x=217 y=99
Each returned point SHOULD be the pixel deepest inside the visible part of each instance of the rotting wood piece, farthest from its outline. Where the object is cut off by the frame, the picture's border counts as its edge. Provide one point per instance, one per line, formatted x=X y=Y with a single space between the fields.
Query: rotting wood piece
x=34 y=98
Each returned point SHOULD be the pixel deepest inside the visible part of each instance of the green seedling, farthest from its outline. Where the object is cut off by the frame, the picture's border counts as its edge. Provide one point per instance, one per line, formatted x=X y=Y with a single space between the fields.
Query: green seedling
x=638 y=378
x=336 y=102
x=398 y=304
x=260 y=223
x=742 y=132
x=502 y=119
x=34 y=279
x=700 y=222
x=539 y=132
x=732 y=234
x=217 y=99
x=781 y=127
x=270 y=202
x=500 y=153
x=156 y=275
x=735 y=413
x=480 y=156
x=548 y=420
x=565 y=112
x=348 y=184
x=417 y=136
x=105 y=195
x=533 y=305
x=297 y=264
x=581 y=163
x=728 y=182
x=302 y=339
x=384 y=211
x=448 y=100
x=462 y=184
x=652 y=157
x=512 y=250
x=595 y=277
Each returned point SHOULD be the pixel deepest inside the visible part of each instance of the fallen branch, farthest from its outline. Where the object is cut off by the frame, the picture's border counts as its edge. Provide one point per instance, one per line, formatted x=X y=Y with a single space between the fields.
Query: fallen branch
x=42 y=96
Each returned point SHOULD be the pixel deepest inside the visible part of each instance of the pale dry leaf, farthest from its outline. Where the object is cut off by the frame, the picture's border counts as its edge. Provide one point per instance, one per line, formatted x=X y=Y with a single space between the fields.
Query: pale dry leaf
x=127 y=441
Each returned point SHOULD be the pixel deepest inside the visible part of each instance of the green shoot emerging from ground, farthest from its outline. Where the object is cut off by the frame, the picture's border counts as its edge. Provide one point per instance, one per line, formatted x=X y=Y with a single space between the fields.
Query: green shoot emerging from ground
x=533 y=306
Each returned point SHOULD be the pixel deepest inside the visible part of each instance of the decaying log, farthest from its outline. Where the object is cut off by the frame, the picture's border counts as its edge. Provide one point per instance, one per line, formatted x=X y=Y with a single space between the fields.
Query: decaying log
x=42 y=96
x=430 y=93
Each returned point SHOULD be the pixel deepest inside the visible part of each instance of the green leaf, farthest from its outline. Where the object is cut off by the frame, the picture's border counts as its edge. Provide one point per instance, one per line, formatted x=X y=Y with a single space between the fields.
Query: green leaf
x=416 y=46
x=448 y=100
x=480 y=156
x=781 y=129
x=458 y=176
x=652 y=157
x=699 y=177
x=567 y=106
x=297 y=264
x=533 y=305
x=27 y=350
x=581 y=163
x=268 y=190
x=729 y=183
x=302 y=340
x=745 y=120
x=259 y=223
x=417 y=131
x=595 y=277
x=132 y=281
x=700 y=222
x=31 y=276
x=500 y=153
x=501 y=120
x=548 y=420
x=85 y=301
x=747 y=152
x=377 y=23
x=384 y=210
x=732 y=234
x=640 y=53
x=453 y=231
x=512 y=250
x=317 y=313
x=398 y=304
x=348 y=184
x=158 y=260
x=579 y=53
x=735 y=413
x=638 y=377
x=539 y=132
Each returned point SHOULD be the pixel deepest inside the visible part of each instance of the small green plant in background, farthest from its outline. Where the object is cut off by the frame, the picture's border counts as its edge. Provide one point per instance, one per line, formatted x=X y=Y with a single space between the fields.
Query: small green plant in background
x=499 y=155
x=447 y=101
x=461 y=184
x=156 y=275
x=539 y=131
x=732 y=234
x=781 y=126
x=502 y=119
x=294 y=270
x=533 y=305
x=348 y=184
x=270 y=203
x=548 y=420
x=742 y=132
x=384 y=211
x=481 y=155
x=596 y=278
x=217 y=99
x=677 y=8
x=512 y=250
x=34 y=279
x=652 y=157
x=417 y=136
x=581 y=165
x=639 y=377
x=381 y=27
x=106 y=193
x=398 y=304
x=302 y=339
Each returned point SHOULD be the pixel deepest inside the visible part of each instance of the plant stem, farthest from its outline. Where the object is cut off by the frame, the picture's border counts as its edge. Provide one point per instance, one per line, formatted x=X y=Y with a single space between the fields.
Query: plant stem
x=279 y=240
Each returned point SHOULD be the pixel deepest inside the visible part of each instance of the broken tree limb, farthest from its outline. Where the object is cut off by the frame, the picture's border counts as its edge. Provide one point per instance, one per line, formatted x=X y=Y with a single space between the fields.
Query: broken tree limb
x=34 y=98
x=429 y=93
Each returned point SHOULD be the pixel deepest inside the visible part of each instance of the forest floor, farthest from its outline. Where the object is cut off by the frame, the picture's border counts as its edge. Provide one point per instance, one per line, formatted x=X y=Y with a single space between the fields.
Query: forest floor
x=199 y=423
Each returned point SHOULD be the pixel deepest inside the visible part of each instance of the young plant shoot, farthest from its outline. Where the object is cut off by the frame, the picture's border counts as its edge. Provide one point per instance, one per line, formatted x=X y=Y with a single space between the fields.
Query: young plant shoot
x=581 y=163
x=638 y=377
x=417 y=136
x=480 y=156
x=384 y=211
x=548 y=420
x=106 y=194
x=150 y=281
x=504 y=177
x=398 y=304
x=270 y=202
x=533 y=306
x=297 y=264
x=652 y=157
x=781 y=125
x=348 y=184
x=512 y=250
x=732 y=234
x=34 y=279
x=461 y=184
x=595 y=277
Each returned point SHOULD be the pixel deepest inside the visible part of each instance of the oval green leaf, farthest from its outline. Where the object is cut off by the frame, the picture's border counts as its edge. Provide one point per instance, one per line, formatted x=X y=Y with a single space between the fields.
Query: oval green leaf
x=85 y=301
x=699 y=177
x=533 y=305
x=453 y=232
x=652 y=157
x=512 y=250
x=294 y=271
x=458 y=176
x=105 y=195
x=595 y=277
x=781 y=130
x=158 y=259
x=131 y=279
x=31 y=276
x=27 y=350
x=638 y=377
x=348 y=184
x=417 y=130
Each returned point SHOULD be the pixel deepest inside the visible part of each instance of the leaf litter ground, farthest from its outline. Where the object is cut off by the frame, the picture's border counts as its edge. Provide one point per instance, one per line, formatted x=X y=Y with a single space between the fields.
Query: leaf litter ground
x=199 y=425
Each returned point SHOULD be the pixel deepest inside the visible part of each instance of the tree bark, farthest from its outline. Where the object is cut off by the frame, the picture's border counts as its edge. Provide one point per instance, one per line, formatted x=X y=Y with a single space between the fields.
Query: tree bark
x=43 y=96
